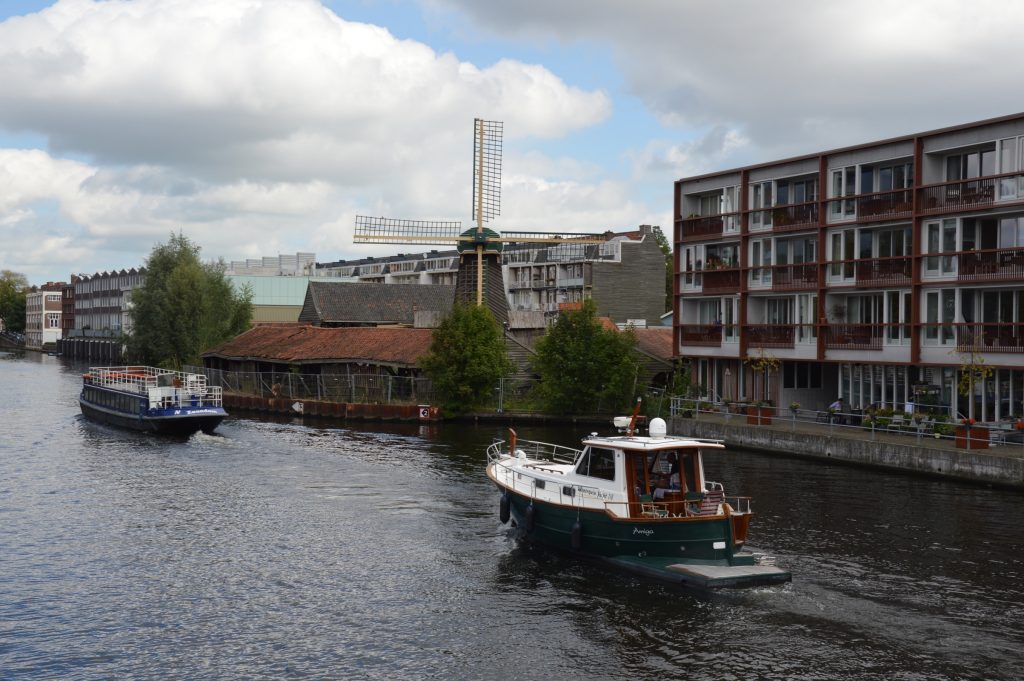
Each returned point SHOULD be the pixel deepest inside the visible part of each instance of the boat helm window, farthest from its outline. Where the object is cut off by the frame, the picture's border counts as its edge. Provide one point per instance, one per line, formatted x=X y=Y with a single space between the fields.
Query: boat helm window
x=667 y=470
x=597 y=462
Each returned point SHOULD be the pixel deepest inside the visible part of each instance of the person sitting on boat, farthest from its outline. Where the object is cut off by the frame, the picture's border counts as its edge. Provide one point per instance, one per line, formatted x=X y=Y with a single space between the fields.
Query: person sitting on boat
x=670 y=482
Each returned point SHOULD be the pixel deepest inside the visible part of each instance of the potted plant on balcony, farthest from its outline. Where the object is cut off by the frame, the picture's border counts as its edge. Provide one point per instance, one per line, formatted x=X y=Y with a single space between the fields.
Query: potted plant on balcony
x=760 y=413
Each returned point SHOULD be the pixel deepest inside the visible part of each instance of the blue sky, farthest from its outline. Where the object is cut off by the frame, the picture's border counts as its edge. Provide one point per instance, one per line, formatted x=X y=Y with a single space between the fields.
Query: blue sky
x=265 y=127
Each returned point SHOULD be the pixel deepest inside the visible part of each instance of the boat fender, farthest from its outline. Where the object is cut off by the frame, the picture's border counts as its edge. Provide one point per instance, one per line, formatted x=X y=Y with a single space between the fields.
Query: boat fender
x=504 y=508
x=577 y=535
x=528 y=520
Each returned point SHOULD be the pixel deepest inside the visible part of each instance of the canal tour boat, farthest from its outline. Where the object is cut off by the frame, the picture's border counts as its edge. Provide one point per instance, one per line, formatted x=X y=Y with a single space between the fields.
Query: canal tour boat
x=151 y=399
x=638 y=502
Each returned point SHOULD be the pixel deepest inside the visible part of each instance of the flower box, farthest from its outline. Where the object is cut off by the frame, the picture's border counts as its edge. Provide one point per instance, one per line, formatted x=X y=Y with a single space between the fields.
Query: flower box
x=971 y=438
x=759 y=416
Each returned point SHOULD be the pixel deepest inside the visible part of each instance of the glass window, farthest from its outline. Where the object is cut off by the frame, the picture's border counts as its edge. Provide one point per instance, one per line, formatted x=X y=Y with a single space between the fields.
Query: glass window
x=598 y=462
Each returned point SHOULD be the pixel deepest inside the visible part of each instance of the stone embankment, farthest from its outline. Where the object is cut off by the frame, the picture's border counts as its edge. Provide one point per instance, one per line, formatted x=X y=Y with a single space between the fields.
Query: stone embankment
x=1001 y=465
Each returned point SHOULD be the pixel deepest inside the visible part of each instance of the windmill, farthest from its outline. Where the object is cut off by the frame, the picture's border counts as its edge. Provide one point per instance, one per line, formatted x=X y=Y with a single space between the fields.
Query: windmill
x=479 y=278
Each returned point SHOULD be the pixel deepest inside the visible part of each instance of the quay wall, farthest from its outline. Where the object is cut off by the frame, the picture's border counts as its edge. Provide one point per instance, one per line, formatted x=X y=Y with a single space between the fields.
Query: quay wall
x=982 y=466
x=332 y=410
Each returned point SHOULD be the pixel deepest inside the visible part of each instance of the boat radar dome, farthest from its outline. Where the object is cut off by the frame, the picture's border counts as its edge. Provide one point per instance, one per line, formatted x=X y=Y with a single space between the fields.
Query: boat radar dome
x=621 y=422
x=657 y=428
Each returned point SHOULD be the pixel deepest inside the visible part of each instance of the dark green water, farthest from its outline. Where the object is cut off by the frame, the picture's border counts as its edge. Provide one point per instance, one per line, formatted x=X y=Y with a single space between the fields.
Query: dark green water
x=292 y=550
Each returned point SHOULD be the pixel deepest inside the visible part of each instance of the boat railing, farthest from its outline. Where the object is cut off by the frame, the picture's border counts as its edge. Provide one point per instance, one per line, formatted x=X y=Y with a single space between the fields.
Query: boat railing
x=533 y=450
x=163 y=387
x=679 y=508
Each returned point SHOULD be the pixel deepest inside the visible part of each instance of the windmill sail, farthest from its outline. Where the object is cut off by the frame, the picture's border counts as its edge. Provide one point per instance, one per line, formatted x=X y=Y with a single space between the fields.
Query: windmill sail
x=486 y=170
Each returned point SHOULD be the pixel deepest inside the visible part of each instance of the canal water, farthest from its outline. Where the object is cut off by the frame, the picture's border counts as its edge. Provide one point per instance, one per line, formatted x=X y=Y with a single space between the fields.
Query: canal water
x=283 y=549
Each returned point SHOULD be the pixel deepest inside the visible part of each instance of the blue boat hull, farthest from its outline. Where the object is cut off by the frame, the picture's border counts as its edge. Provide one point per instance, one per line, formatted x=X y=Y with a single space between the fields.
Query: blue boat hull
x=183 y=421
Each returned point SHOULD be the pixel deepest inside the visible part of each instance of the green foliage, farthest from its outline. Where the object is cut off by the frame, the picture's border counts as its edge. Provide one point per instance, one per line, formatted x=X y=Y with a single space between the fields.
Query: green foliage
x=184 y=306
x=467 y=357
x=585 y=367
x=13 y=286
x=666 y=249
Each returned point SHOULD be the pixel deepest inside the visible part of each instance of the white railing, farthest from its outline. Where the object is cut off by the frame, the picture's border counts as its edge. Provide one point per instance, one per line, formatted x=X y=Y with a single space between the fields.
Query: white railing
x=164 y=388
x=537 y=452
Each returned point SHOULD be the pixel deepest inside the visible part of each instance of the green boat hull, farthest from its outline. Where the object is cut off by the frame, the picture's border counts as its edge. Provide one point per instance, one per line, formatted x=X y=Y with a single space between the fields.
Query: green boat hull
x=691 y=541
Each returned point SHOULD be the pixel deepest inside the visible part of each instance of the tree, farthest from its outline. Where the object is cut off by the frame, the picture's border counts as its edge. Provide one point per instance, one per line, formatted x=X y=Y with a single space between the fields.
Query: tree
x=666 y=250
x=184 y=306
x=467 y=357
x=584 y=366
x=13 y=286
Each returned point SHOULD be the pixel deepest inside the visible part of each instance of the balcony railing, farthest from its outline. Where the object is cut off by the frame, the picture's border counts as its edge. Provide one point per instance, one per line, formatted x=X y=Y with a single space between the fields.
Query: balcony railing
x=721 y=281
x=785 y=218
x=877 y=205
x=998 y=264
x=979 y=337
x=770 y=335
x=884 y=271
x=794 y=277
x=959 y=195
x=702 y=334
x=854 y=336
x=709 y=225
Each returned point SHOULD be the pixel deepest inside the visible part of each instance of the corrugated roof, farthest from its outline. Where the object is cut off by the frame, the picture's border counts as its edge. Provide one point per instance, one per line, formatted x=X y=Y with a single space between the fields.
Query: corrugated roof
x=298 y=344
x=655 y=341
x=372 y=303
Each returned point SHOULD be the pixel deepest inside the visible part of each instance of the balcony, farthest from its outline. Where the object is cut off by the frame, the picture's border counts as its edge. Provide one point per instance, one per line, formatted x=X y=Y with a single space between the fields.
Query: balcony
x=701 y=227
x=787 y=218
x=991 y=265
x=965 y=194
x=888 y=205
x=854 y=336
x=979 y=337
x=709 y=335
x=797 y=277
x=721 y=280
x=770 y=335
x=890 y=271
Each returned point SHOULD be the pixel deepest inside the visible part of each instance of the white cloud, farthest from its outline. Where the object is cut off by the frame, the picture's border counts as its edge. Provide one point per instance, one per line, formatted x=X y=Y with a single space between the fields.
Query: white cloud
x=252 y=125
x=795 y=76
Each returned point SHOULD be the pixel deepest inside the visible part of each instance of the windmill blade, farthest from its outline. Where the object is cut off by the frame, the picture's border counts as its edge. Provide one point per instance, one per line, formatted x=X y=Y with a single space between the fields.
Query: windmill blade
x=549 y=238
x=486 y=170
x=371 y=230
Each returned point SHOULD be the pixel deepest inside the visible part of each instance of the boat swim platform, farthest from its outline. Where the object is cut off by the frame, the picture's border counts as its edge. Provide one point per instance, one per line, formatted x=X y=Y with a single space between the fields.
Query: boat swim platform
x=702 y=576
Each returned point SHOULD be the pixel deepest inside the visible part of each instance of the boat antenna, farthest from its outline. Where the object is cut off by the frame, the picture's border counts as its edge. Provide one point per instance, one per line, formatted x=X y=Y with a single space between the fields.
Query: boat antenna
x=511 y=442
x=632 y=421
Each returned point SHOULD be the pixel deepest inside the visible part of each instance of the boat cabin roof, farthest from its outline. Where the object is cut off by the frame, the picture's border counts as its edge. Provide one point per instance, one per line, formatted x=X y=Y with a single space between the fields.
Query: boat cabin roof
x=652 y=444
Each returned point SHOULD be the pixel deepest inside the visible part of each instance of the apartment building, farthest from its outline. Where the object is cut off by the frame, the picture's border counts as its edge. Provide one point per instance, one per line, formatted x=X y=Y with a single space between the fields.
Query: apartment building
x=101 y=302
x=624 y=276
x=43 y=316
x=281 y=265
x=433 y=267
x=880 y=273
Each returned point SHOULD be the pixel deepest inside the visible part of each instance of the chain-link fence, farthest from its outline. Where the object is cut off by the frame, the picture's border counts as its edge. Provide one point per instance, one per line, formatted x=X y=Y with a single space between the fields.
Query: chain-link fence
x=355 y=388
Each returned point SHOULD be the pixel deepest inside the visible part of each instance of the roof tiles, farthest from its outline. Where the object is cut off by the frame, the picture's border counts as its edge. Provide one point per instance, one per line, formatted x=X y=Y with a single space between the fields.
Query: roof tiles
x=310 y=344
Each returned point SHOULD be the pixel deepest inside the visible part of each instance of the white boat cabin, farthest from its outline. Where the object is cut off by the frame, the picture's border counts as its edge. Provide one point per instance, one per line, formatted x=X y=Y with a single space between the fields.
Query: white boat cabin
x=628 y=477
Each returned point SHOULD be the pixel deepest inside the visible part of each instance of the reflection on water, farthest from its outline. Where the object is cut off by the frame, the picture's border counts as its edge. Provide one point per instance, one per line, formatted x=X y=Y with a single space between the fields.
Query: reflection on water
x=277 y=549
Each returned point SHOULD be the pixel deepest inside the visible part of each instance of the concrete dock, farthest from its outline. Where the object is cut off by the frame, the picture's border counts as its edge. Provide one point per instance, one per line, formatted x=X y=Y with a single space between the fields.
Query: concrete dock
x=1001 y=464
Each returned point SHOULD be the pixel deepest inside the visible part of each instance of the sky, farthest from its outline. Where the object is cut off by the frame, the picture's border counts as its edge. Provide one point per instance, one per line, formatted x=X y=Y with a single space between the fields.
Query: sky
x=259 y=127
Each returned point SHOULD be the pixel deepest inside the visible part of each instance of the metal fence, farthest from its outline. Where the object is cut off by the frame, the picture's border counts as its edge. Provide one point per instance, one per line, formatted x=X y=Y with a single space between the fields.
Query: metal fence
x=354 y=388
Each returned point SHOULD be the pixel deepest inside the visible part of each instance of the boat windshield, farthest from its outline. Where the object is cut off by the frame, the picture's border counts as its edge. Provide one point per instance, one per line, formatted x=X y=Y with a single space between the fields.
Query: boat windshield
x=597 y=462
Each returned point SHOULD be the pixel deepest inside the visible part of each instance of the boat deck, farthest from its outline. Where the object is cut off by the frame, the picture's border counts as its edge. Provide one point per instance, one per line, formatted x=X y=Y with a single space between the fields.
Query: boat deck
x=703 y=576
